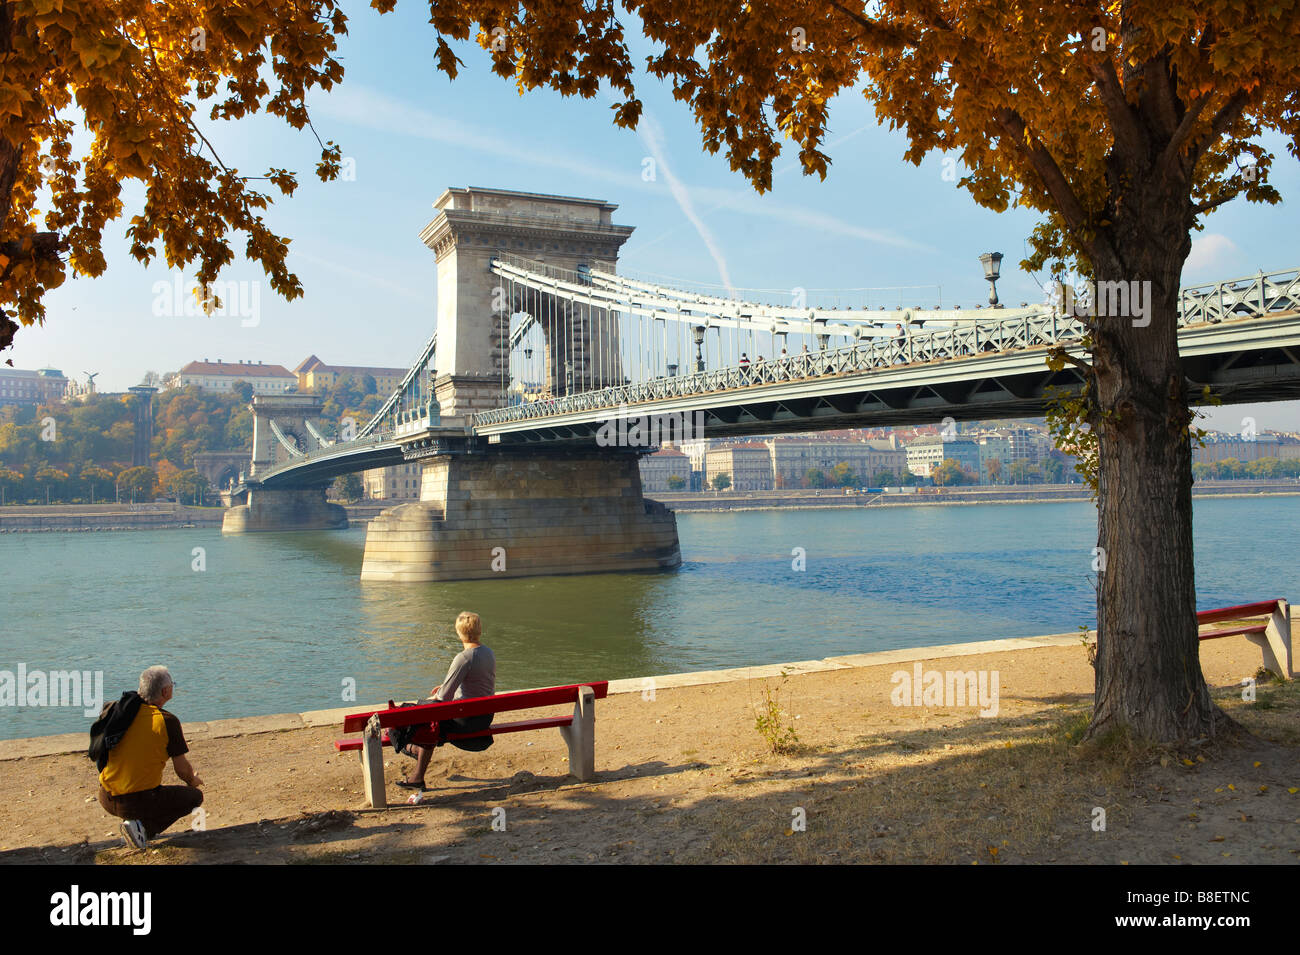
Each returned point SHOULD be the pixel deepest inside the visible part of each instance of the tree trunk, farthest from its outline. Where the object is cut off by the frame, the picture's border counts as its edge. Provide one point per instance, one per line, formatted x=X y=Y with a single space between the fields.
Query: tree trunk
x=1148 y=672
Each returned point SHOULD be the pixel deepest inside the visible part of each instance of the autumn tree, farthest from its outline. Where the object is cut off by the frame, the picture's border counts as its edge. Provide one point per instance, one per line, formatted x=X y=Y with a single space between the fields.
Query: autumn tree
x=349 y=487
x=1122 y=124
x=52 y=481
x=950 y=473
x=147 y=79
x=95 y=478
x=11 y=484
x=137 y=483
x=187 y=486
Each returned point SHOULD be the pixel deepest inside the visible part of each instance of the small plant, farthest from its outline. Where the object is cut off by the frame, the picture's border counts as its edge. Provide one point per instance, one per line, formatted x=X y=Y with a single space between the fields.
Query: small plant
x=769 y=720
x=1088 y=645
x=1265 y=675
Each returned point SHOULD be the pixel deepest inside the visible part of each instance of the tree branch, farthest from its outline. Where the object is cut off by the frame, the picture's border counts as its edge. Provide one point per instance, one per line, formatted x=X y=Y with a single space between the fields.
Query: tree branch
x=1226 y=116
x=1127 y=130
x=1041 y=160
x=1184 y=130
x=1210 y=204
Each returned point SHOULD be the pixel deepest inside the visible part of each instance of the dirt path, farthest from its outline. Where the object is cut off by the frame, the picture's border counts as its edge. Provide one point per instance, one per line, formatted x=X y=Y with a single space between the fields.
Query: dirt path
x=687 y=777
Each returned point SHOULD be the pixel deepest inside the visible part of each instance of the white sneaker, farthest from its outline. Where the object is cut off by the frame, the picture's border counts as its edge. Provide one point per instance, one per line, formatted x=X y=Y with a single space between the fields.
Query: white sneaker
x=133 y=832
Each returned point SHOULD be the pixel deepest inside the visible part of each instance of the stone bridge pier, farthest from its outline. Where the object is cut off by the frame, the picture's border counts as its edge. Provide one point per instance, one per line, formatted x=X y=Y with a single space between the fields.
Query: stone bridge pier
x=496 y=510
x=493 y=511
x=281 y=422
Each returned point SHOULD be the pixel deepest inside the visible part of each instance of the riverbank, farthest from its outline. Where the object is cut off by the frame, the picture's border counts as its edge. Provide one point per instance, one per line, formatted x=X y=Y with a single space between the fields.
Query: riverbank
x=38 y=518
x=28 y=518
x=683 y=775
x=929 y=496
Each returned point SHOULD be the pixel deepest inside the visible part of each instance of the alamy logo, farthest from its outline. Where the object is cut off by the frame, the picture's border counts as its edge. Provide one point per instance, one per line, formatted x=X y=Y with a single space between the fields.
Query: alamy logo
x=82 y=688
x=947 y=688
x=1110 y=300
x=649 y=430
x=75 y=907
x=221 y=299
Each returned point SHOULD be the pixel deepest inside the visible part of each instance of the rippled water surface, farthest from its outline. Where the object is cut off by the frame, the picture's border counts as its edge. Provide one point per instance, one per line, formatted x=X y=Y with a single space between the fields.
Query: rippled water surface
x=278 y=623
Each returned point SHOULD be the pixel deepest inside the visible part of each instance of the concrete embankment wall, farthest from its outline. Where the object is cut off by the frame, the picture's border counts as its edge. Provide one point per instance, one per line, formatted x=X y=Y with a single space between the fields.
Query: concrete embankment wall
x=105 y=517
x=769 y=500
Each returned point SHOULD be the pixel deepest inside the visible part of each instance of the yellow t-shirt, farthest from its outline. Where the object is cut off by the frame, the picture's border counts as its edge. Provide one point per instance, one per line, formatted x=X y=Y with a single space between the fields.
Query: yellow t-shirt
x=136 y=763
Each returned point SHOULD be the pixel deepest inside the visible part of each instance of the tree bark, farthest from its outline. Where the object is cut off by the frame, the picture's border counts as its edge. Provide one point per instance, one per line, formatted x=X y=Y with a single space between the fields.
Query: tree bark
x=1148 y=671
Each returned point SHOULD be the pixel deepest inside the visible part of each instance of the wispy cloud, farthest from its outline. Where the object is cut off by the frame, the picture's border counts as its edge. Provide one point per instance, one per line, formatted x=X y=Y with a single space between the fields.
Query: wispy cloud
x=651 y=134
x=367 y=108
x=746 y=202
x=373 y=278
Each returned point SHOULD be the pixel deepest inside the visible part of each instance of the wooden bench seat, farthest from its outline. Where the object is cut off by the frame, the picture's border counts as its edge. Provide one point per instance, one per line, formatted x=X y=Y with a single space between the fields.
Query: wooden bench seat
x=1272 y=634
x=578 y=729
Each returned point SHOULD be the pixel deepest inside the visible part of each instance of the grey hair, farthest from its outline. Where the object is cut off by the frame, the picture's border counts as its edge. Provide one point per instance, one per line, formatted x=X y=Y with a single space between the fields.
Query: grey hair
x=152 y=683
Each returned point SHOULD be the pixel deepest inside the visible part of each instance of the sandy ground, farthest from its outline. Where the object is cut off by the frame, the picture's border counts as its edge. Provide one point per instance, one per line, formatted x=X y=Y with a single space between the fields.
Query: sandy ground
x=688 y=777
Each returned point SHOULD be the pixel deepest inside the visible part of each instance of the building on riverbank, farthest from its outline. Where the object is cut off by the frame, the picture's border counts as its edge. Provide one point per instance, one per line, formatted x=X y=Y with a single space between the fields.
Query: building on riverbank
x=401 y=482
x=41 y=386
x=926 y=453
x=1247 y=447
x=658 y=468
x=747 y=466
x=868 y=460
x=314 y=375
x=219 y=377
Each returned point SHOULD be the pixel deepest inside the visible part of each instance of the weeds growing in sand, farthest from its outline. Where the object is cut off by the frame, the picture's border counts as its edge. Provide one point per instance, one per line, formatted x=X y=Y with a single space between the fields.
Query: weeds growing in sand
x=770 y=720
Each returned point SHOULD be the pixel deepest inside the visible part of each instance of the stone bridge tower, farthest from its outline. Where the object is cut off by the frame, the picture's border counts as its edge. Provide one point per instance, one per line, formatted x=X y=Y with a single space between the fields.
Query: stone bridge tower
x=471 y=227
x=296 y=418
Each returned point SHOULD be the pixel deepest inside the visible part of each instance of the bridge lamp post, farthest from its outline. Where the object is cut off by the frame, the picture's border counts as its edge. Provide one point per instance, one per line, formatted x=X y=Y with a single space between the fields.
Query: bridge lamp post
x=819 y=329
x=992 y=265
x=672 y=370
x=698 y=333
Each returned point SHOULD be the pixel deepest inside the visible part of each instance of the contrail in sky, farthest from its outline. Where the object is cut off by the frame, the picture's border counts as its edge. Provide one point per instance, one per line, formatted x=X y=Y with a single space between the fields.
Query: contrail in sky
x=652 y=135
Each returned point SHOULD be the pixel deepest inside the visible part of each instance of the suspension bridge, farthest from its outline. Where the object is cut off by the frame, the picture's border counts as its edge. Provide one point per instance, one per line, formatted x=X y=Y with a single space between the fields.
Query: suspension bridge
x=540 y=343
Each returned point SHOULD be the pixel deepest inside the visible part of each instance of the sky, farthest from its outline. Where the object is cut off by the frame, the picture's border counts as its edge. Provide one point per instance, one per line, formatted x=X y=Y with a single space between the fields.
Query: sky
x=409 y=133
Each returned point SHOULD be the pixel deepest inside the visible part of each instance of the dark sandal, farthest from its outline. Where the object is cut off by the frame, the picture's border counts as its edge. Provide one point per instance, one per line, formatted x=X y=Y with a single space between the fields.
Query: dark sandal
x=410 y=785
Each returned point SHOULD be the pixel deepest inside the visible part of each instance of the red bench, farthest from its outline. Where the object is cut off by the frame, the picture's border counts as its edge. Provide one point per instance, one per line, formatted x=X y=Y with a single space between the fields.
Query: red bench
x=578 y=730
x=1271 y=633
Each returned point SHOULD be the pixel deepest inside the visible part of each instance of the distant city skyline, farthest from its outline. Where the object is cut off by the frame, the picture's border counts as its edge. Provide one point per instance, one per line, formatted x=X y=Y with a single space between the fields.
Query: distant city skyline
x=407 y=133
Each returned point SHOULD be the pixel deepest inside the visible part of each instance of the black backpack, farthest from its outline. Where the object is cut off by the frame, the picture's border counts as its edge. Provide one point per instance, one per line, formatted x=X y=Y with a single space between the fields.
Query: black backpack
x=109 y=729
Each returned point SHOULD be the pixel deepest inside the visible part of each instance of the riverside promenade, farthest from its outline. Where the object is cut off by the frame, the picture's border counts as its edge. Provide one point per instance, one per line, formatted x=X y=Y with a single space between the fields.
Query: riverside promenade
x=684 y=775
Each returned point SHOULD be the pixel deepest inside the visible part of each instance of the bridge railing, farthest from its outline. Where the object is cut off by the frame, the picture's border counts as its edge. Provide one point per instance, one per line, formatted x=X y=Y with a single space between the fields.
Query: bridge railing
x=1261 y=294
x=307 y=457
x=1045 y=328
x=966 y=336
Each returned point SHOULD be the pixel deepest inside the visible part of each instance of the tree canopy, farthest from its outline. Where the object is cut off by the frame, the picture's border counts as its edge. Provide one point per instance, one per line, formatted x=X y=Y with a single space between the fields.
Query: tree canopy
x=146 y=78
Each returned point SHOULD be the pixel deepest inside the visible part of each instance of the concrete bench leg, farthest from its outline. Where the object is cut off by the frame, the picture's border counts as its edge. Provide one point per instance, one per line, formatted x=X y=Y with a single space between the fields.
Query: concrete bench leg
x=372 y=764
x=581 y=736
x=1275 y=642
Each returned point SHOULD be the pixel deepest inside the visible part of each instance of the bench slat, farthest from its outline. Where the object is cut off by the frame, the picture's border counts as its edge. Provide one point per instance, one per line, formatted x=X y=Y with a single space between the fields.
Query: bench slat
x=476 y=706
x=521 y=726
x=1236 y=613
x=1235 y=631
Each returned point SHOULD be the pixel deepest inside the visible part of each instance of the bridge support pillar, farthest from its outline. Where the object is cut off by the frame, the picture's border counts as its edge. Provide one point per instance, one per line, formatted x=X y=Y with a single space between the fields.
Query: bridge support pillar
x=292 y=509
x=522 y=513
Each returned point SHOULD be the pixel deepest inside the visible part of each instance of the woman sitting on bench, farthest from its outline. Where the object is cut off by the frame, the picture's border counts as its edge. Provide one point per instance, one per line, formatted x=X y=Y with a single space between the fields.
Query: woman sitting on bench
x=473 y=673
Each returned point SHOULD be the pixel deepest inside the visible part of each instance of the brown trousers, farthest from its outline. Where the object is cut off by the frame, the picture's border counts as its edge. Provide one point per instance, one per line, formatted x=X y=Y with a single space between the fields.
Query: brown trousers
x=156 y=808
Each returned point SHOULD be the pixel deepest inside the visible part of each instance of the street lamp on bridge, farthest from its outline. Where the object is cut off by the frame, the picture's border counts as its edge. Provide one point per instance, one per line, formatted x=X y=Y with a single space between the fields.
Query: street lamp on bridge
x=698 y=332
x=992 y=265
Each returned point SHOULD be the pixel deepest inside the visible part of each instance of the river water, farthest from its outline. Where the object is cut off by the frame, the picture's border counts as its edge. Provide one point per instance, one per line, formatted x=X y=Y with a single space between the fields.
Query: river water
x=279 y=623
